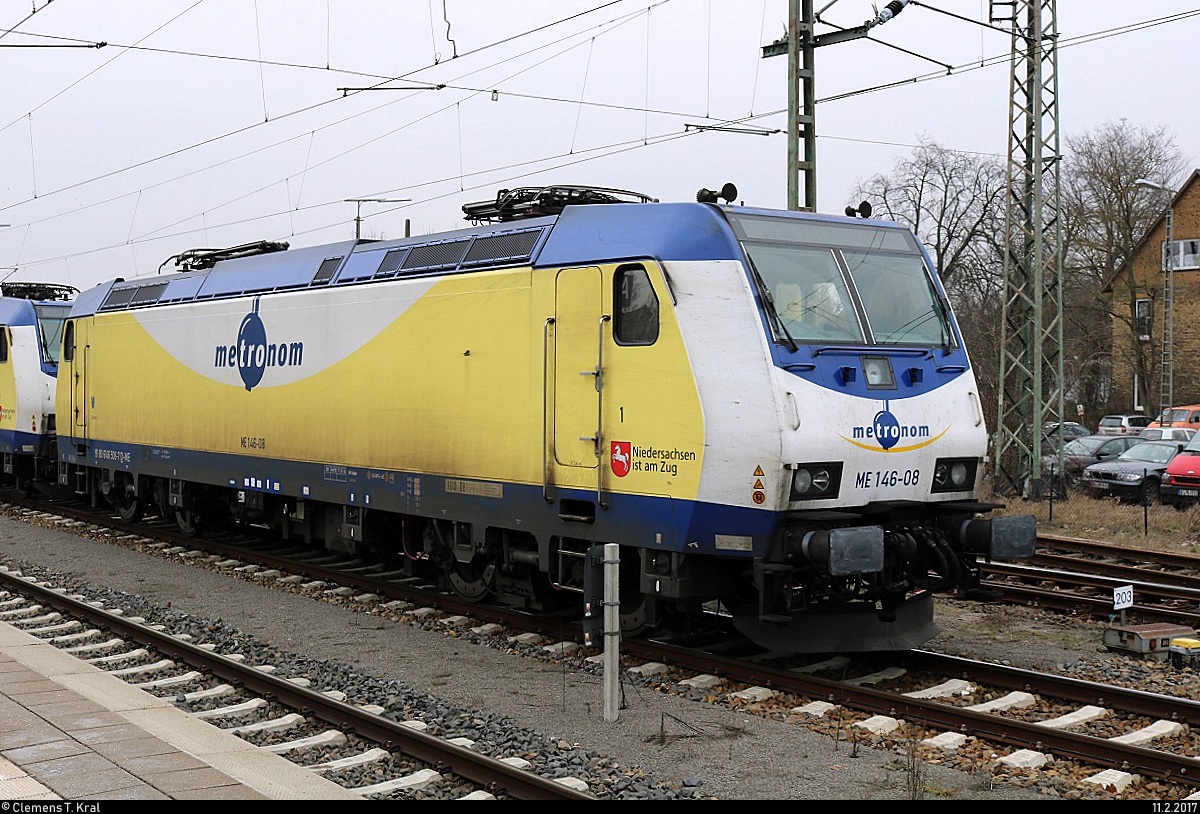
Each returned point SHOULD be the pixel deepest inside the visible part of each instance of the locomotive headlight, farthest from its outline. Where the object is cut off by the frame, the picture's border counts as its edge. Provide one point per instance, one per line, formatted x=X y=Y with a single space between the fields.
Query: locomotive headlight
x=877 y=370
x=802 y=482
x=954 y=474
x=816 y=481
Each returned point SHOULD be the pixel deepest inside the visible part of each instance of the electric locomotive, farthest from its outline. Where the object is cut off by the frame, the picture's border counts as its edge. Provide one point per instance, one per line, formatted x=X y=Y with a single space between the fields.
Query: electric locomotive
x=31 y=320
x=772 y=413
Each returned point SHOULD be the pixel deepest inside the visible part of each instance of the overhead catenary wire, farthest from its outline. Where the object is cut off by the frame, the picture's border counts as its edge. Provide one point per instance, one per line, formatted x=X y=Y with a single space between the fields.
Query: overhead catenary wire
x=332 y=100
x=996 y=60
x=649 y=139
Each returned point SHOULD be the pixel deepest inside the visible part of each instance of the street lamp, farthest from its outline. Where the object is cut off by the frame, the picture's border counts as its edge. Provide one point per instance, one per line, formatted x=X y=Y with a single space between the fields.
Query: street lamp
x=358 y=209
x=1166 y=391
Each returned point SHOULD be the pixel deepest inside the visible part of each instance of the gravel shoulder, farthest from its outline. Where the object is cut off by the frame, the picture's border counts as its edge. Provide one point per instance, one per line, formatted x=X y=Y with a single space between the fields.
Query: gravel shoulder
x=719 y=752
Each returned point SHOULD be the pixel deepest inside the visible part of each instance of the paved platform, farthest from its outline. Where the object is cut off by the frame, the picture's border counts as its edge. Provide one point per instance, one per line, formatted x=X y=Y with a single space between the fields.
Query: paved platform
x=70 y=731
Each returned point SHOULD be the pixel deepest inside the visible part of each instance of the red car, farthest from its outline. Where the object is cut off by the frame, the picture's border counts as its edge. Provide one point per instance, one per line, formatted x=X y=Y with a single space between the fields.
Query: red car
x=1180 y=486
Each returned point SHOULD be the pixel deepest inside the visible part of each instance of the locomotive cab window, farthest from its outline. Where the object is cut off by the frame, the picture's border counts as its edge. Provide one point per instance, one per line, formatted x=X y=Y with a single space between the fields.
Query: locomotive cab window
x=901 y=304
x=636 y=307
x=3 y=344
x=809 y=293
x=842 y=284
x=51 y=319
x=68 y=343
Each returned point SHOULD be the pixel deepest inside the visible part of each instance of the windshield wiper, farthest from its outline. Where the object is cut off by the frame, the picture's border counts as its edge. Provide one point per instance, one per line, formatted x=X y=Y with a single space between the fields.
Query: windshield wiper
x=769 y=304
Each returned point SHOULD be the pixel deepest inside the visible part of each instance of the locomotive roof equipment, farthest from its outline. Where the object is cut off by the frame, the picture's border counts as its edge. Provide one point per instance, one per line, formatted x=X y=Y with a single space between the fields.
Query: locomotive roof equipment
x=532 y=202
x=38 y=291
x=194 y=259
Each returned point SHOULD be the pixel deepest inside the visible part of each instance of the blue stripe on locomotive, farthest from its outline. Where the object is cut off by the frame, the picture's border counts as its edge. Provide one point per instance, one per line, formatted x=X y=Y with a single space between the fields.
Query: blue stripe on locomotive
x=586 y=235
x=25 y=443
x=17 y=311
x=685 y=526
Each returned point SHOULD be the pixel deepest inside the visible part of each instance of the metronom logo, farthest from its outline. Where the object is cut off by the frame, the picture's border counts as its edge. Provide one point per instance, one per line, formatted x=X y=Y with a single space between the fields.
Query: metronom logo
x=887 y=431
x=252 y=354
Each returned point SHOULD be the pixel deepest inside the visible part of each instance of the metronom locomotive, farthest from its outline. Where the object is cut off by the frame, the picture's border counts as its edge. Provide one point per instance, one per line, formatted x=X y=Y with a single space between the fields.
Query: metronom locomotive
x=31 y=320
x=772 y=413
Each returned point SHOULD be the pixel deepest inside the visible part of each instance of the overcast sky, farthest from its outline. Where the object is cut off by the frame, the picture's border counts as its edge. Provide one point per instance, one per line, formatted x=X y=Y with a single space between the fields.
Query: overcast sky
x=210 y=123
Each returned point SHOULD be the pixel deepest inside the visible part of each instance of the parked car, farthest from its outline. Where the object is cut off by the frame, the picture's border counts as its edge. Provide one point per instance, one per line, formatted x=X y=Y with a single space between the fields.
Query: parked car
x=1134 y=475
x=1068 y=430
x=1127 y=424
x=1180 y=485
x=1183 y=434
x=1083 y=452
x=1187 y=415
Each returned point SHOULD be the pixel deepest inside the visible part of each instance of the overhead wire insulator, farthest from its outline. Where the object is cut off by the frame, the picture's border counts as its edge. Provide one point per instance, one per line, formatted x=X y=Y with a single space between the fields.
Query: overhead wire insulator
x=889 y=11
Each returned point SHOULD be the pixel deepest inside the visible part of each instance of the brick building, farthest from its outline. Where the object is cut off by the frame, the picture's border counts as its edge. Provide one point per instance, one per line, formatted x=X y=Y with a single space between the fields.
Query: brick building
x=1137 y=307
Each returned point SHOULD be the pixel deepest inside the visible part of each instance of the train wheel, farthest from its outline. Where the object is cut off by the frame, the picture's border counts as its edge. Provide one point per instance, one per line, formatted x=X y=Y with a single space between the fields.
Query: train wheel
x=188 y=522
x=633 y=616
x=470 y=582
x=633 y=609
x=130 y=508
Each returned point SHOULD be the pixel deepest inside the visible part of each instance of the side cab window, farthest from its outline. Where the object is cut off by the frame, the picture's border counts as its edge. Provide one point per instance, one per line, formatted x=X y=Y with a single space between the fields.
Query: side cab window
x=3 y=344
x=636 y=307
x=68 y=346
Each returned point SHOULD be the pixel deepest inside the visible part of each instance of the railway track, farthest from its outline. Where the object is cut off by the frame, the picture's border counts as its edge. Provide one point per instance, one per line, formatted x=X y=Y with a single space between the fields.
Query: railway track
x=347 y=741
x=919 y=702
x=1079 y=576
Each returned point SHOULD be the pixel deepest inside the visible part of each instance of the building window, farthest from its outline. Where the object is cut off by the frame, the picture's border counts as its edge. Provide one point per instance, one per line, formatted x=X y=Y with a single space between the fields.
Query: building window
x=1141 y=319
x=1185 y=254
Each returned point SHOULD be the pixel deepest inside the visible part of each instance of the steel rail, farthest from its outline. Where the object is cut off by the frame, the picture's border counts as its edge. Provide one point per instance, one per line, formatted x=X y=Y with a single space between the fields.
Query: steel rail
x=486 y=771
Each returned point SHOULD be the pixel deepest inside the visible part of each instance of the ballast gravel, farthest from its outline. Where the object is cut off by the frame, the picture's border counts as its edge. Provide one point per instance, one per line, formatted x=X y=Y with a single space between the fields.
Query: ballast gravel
x=515 y=701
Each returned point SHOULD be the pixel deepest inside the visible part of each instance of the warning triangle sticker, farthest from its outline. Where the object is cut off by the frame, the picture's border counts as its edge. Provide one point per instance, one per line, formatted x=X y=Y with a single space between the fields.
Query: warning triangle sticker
x=758 y=473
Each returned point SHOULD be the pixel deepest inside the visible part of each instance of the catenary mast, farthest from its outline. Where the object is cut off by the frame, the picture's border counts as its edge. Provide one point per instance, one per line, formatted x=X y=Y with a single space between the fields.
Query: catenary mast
x=1030 y=390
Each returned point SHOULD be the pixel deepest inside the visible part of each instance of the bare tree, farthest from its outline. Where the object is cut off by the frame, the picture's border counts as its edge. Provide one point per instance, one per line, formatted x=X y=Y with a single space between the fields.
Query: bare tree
x=951 y=200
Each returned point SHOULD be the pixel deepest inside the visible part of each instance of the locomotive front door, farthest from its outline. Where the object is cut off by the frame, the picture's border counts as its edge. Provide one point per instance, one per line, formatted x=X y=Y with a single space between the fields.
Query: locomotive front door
x=578 y=334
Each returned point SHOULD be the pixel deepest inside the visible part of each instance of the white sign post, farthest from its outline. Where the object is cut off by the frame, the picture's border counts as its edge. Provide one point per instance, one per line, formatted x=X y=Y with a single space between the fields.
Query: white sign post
x=1122 y=599
x=612 y=630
